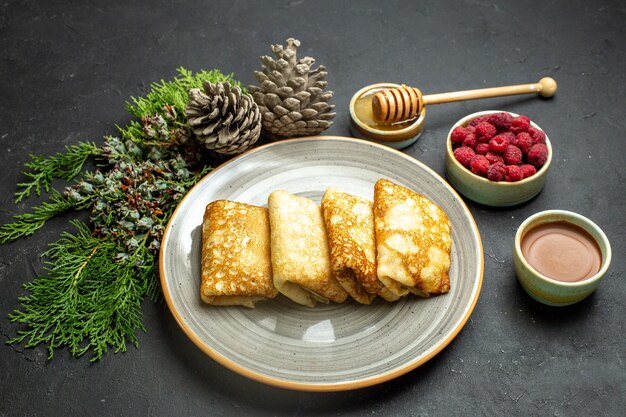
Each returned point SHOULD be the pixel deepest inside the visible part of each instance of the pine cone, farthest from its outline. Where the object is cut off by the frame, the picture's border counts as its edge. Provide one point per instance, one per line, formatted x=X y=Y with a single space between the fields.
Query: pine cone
x=291 y=96
x=226 y=120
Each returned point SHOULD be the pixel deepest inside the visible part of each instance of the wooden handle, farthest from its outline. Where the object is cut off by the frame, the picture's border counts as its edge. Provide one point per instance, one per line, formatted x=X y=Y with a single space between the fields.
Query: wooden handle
x=546 y=87
x=397 y=104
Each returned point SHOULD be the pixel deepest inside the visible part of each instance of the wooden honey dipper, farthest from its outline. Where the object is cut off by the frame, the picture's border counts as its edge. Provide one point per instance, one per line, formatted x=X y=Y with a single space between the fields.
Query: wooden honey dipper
x=397 y=104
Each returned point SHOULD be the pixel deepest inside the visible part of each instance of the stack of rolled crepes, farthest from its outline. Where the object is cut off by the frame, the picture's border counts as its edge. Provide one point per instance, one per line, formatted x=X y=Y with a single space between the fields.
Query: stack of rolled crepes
x=398 y=245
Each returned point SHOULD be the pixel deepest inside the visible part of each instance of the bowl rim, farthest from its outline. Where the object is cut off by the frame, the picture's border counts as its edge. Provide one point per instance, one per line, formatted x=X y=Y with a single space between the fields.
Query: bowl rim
x=484 y=180
x=603 y=243
x=388 y=134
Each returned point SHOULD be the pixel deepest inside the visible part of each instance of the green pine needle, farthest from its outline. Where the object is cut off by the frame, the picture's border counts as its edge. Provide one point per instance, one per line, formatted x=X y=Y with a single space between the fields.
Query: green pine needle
x=65 y=165
x=132 y=131
x=85 y=300
x=28 y=223
x=89 y=295
x=174 y=92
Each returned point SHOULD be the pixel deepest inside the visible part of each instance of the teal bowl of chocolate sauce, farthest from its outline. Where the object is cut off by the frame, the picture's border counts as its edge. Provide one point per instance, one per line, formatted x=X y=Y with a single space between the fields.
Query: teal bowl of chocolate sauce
x=560 y=257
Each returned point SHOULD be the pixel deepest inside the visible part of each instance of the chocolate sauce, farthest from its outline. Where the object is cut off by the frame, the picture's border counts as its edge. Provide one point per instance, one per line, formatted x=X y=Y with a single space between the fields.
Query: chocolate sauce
x=562 y=251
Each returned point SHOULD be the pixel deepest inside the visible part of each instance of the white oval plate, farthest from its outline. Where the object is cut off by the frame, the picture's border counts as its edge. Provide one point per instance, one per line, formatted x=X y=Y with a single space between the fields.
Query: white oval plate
x=329 y=347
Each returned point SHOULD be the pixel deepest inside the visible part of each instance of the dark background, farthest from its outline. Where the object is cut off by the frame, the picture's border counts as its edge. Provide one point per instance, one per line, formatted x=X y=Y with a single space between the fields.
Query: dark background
x=67 y=69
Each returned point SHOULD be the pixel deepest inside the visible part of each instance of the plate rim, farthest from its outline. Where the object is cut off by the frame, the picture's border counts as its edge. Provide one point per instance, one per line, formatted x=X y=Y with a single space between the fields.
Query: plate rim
x=325 y=386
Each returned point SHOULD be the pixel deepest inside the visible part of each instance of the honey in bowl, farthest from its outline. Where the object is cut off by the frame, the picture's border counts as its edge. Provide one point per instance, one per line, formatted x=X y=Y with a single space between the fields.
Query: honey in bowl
x=365 y=126
x=363 y=110
x=562 y=251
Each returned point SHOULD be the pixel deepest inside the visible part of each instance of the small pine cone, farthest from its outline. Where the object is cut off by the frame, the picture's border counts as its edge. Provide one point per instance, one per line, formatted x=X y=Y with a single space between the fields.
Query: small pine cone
x=223 y=118
x=291 y=96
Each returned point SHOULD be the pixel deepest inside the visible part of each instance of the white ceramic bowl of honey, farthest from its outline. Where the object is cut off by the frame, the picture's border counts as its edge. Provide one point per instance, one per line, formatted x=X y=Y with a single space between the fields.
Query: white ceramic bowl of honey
x=364 y=126
x=560 y=256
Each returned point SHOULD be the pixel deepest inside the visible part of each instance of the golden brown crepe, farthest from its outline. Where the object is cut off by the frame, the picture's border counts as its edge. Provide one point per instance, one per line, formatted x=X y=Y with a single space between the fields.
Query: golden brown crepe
x=413 y=241
x=349 y=224
x=299 y=251
x=236 y=268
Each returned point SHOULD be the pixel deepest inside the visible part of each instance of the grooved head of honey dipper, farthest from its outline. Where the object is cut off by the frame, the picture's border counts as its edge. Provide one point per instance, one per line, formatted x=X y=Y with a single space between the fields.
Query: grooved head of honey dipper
x=380 y=107
x=396 y=104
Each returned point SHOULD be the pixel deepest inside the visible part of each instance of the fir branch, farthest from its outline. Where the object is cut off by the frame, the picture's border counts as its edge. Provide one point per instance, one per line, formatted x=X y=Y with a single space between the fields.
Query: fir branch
x=62 y=165
x=28 y=223
x=85 y=300
x=174 y=93
x=133 y=131
x=90 y=294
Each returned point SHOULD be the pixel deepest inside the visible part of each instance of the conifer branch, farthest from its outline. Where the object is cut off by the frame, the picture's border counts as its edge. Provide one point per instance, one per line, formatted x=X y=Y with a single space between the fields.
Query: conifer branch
x=65 y=165
x=84 y=300
x=89 y=295
x=28 y=223
x=174 y=93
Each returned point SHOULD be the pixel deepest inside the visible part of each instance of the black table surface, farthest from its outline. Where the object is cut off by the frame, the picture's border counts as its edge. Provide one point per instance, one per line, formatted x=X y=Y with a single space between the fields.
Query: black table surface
x=67 y=70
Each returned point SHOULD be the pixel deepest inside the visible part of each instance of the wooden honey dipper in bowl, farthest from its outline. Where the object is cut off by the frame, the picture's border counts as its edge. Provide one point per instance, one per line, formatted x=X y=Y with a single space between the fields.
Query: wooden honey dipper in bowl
x=404 y=103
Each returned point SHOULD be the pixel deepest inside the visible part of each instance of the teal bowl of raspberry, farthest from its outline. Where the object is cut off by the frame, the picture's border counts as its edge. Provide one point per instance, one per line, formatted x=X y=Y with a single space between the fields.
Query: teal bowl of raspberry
x=497 y=158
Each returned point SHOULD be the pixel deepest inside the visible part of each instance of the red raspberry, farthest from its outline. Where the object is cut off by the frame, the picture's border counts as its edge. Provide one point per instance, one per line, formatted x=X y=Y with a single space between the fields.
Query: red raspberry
x=512 y=155
x=496 y=172
x=494 y=158
x=485 y=131
x=470 y=129
x=479 y=165
x=513 y=173
x=520 y=124
x=482 y=149
x=470 y=140
x=538 y=135
x=458 y=134
x=523 y=141
x=502 y=121
x=538 y=155
x=479 y=119
x=499 y=143
x=464 y=155
x=528 y=170
x=509 y=135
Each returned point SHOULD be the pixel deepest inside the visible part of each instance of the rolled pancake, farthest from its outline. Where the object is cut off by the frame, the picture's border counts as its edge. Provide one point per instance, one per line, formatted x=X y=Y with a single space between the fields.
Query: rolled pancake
x=299 y=251
x=236 y=267
x=349 y=224
x=413 y=241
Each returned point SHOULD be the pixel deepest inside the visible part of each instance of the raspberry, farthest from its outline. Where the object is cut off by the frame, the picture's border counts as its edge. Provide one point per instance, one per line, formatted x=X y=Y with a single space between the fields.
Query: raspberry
x=479 y=119
x=538 y=155
x=520 y=124
x=502 y=121
x=493 y=158
x=458 y=134
x=499 y=143
x=482 y=149
x=538 y=135
x=513 y=173
x=523 y=141
x=479 y=165
x=464 y=155
x=485 y=131
x=500 y=146
x=496 y=172
x=512 y=155
x=470 y=140
x=509 y=135
x=528 y=170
